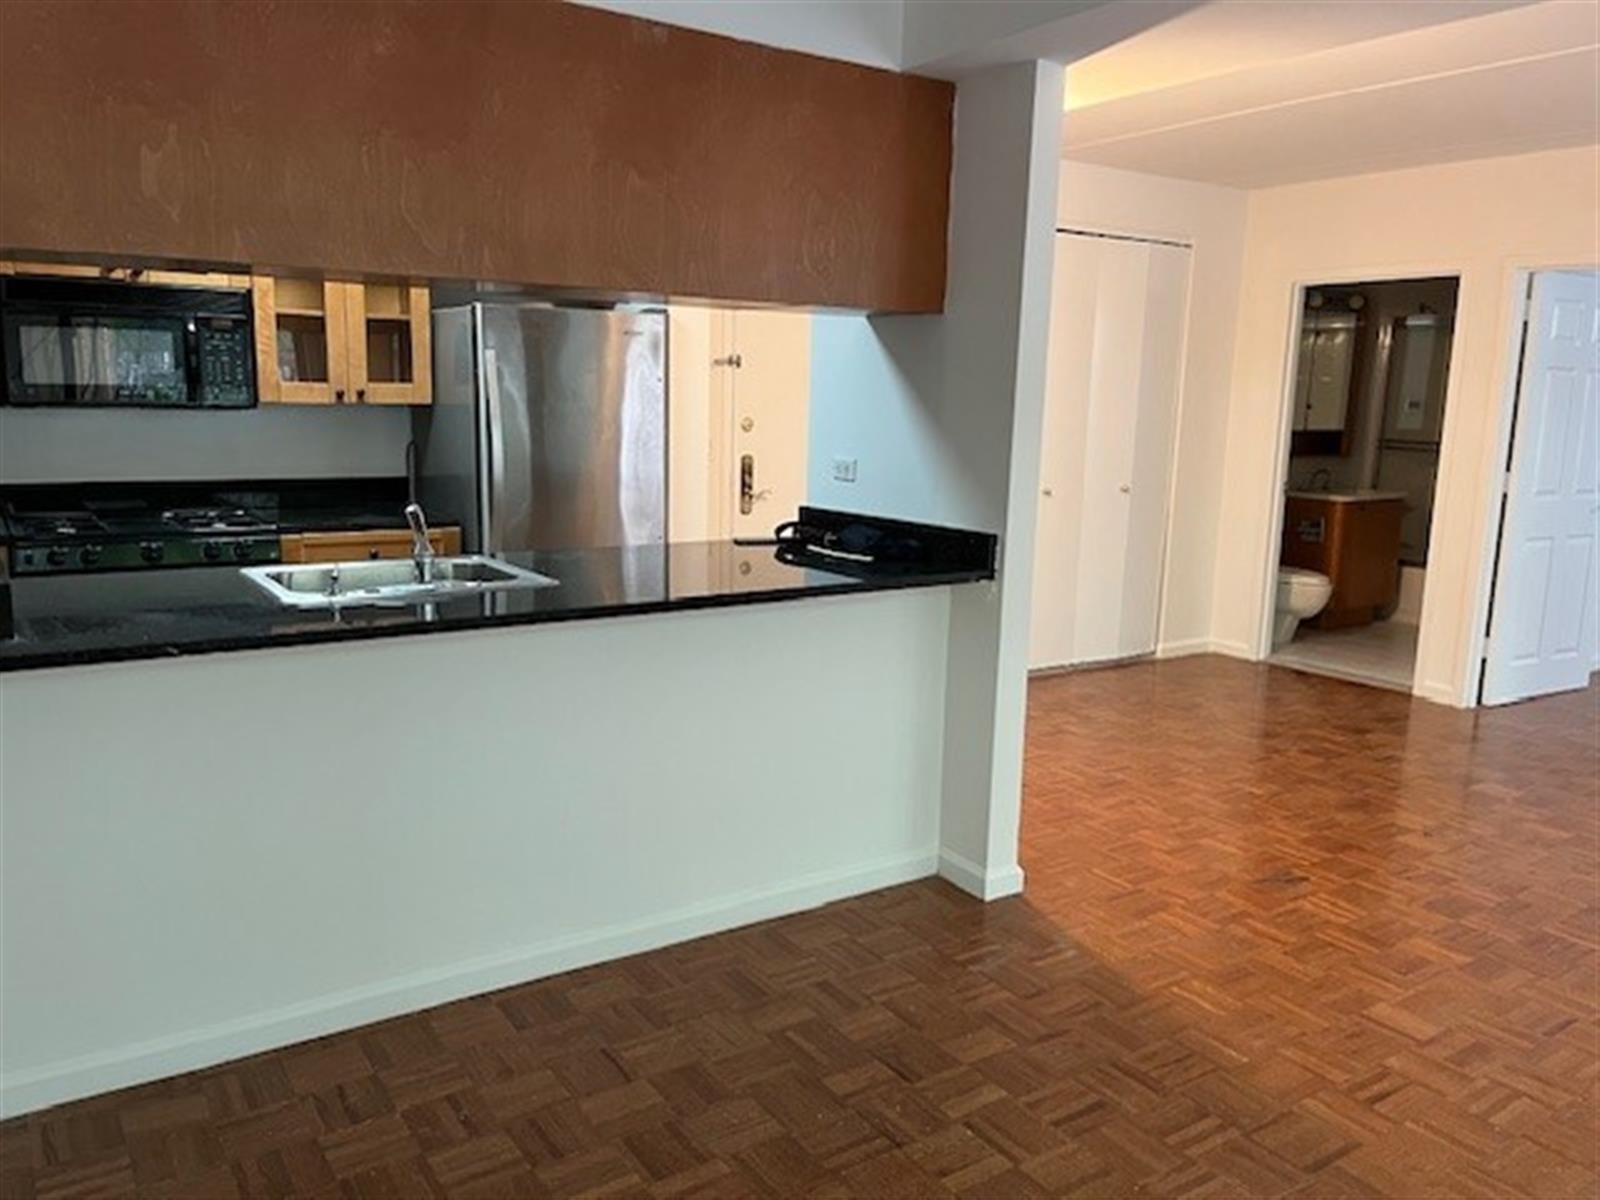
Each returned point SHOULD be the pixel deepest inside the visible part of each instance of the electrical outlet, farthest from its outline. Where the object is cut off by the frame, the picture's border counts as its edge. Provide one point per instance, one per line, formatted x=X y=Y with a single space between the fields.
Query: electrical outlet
x=844 y=470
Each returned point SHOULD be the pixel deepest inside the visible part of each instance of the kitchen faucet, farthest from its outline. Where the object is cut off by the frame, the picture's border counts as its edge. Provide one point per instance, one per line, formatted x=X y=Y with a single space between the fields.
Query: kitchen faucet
x=421 y=546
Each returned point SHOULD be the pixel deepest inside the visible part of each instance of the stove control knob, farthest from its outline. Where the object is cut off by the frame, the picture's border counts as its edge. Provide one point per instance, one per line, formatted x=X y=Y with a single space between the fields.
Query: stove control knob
x=241 y=551
x=212 y=551
x=89 y=555
x=151 y=552
x=56 y=557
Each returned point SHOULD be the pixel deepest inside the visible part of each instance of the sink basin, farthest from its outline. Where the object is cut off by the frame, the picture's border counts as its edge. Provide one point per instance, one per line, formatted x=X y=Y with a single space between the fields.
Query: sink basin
x=389 y=581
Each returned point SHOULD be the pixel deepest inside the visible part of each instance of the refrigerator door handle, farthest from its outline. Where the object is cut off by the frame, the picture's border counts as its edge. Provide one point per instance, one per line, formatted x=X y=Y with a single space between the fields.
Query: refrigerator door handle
x=497 y=451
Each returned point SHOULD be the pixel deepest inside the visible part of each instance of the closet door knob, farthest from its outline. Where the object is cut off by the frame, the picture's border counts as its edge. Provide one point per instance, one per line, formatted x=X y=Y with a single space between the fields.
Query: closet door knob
x=1048 y=491
x=1125 y=488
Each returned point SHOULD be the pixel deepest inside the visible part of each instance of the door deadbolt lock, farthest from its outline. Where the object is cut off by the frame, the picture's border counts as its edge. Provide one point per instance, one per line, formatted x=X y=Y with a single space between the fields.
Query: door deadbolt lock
x=748 y=495
x=747 y=424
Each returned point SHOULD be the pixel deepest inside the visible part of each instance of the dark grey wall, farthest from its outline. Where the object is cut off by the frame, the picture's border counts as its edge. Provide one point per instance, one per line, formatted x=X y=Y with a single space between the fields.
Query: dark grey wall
x=65 y=445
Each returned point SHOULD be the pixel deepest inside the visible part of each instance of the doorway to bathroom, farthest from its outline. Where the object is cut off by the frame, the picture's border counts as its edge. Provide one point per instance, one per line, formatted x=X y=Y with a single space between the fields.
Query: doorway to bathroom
x=1367 y=400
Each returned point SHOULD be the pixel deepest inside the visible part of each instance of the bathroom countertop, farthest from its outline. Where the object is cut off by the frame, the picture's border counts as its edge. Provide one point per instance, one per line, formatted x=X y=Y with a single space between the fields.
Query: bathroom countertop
x=1359 y=497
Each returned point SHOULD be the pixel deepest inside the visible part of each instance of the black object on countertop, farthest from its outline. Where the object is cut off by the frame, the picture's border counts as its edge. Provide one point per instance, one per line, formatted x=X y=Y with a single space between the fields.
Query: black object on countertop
x=65 y=620
x=862 y=546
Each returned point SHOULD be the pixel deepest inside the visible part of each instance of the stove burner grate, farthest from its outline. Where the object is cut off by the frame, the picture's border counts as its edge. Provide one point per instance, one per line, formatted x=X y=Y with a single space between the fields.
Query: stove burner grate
x=213 y=520
x=47 y=525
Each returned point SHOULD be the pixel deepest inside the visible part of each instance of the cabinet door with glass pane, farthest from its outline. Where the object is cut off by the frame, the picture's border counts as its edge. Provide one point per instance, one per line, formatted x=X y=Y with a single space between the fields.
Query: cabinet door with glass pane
x=391 y=359
x=301 y=336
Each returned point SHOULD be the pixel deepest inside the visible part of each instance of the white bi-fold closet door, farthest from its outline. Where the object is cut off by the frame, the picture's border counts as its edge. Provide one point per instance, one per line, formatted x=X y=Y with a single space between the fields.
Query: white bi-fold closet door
x=1117 y=318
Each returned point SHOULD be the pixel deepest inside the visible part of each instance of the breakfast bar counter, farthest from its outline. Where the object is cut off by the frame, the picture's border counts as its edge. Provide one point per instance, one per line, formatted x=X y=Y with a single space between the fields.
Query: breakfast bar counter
x=76 y=619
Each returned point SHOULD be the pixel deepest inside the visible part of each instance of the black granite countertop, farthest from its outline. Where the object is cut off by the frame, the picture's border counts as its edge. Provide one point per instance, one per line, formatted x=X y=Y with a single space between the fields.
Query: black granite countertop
x=76 y=619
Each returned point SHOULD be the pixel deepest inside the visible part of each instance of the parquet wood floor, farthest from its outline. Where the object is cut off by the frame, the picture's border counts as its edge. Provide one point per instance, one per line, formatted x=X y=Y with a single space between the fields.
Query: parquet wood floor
x=1282 y=936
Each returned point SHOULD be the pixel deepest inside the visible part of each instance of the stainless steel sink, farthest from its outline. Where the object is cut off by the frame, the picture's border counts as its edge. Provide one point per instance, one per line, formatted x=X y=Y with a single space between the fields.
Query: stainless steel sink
x=390 y=581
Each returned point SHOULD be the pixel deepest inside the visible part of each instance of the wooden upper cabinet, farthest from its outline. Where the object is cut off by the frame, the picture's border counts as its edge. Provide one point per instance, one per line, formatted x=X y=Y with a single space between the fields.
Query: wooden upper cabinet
x=391 y=356
x=301 y=355
x=769 y=177
x=324 y=342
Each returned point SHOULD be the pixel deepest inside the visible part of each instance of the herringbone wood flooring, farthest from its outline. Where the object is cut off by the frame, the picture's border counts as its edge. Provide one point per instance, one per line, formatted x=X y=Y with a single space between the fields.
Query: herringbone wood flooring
x=1282 y=935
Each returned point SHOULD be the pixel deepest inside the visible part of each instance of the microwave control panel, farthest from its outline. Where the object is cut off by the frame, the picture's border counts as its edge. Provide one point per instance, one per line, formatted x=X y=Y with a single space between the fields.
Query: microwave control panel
x=226 y=356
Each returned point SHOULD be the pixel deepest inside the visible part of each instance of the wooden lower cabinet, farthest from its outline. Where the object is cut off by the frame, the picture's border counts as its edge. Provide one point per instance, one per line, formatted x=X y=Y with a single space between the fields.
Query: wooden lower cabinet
x=1356 y=544
x=350 y=545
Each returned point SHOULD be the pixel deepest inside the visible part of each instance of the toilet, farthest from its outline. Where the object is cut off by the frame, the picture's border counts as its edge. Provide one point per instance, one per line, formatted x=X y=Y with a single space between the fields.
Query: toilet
x=1301 y=594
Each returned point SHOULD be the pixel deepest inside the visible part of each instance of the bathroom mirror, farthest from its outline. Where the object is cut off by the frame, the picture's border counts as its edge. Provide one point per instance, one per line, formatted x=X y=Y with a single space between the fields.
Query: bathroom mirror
x=1326 y=371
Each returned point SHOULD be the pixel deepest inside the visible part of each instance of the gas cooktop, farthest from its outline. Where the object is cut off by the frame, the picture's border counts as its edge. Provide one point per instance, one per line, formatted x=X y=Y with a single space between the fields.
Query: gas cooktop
x=111 y=532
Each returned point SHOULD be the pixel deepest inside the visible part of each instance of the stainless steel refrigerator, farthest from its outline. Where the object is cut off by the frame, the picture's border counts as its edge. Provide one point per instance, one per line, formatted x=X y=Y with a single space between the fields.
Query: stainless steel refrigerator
x=548 y=428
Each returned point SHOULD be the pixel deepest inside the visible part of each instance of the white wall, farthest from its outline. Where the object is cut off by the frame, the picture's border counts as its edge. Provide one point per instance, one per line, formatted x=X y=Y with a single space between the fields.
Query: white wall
x=546 y=798
x=271 y=442
x=870 y=401
x=1483 y=220
x=943 y=414
x=1413 y=582
x=1210 y=219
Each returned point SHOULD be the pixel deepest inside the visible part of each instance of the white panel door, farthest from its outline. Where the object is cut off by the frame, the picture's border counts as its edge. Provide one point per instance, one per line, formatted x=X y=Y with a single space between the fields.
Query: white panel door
x=1117 y=324
x=770 y=378
x=1542 y=638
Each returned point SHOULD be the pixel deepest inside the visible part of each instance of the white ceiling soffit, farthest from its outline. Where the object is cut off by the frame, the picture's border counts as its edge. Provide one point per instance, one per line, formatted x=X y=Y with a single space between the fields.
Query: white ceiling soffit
x=942 y=38
x=951 y=38
x=858 y=31
x=1498 y=80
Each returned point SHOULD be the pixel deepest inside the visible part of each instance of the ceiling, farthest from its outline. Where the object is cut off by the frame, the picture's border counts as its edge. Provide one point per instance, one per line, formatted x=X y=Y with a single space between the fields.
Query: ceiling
x=1254 y=93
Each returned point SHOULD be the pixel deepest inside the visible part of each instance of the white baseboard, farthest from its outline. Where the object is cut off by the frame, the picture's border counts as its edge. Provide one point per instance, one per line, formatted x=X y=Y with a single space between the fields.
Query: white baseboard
x=1180 y=648
x=1235 y=650
x=1440 y=693
x=72 y=1079
x=1184 y=647
x=975 y=881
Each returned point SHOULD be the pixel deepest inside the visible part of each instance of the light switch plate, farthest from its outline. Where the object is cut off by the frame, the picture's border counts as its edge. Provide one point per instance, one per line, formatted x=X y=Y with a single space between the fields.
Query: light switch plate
x=844 y=470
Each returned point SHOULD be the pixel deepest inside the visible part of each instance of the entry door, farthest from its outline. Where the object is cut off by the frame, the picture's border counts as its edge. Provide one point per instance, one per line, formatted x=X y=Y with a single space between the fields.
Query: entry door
x=766 y=362
x=1116 y=345
x=1542 y=638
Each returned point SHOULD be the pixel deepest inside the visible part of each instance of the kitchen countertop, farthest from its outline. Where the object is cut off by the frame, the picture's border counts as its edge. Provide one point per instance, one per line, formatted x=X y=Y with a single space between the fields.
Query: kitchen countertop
x=117 y=616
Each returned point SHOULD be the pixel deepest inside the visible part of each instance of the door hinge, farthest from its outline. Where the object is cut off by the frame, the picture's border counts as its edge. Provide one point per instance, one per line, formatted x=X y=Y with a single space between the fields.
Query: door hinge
x=729 y=360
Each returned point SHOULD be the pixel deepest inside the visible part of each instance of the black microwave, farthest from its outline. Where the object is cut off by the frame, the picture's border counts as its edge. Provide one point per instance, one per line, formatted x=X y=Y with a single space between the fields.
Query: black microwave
x=81 y=343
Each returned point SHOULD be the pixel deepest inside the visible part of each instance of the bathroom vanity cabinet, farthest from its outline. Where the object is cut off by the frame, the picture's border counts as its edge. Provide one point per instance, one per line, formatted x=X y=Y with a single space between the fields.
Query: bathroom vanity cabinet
x=1354 y=539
